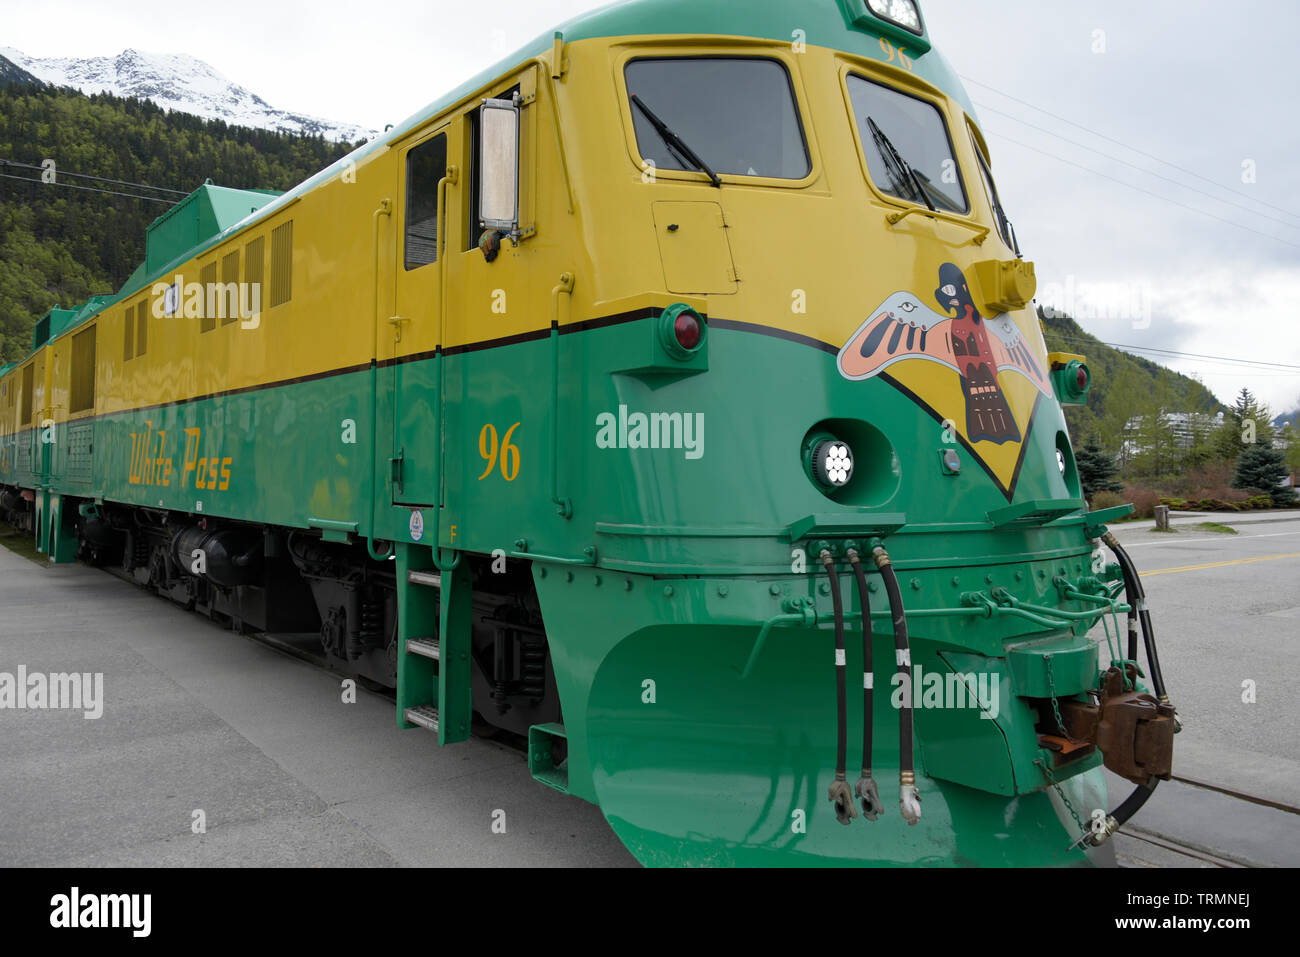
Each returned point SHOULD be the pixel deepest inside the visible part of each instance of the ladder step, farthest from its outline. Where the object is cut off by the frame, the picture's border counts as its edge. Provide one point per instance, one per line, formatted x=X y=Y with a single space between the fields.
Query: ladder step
x=428 y=647
x=426 y=716
x=431 y=579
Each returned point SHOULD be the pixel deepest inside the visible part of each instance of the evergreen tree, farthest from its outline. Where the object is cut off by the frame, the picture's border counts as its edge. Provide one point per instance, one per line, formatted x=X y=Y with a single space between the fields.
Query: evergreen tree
x=1290 y=440
x=1248 y=422
x=1261 y=468
x=1097 y=471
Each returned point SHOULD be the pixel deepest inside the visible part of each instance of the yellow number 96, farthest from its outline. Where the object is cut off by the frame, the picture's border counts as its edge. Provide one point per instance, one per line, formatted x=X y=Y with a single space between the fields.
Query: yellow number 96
x=490 y=450
x=891 y=54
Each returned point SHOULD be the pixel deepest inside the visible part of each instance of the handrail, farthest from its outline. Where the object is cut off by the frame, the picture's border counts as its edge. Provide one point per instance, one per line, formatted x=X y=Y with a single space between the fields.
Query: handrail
x=547 y=71
x=563 y=507
x=385 y=209
x=449 y=178
x=895 y=218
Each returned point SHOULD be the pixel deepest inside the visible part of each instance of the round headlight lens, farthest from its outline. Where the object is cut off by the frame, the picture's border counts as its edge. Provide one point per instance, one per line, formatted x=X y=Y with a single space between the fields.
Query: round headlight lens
x=833 y=463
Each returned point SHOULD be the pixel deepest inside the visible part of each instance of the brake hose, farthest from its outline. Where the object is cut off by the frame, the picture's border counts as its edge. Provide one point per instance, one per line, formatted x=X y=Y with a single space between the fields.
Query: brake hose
x=909 y=798
x=866 y=789
x=1136 y=598
x=840 y=794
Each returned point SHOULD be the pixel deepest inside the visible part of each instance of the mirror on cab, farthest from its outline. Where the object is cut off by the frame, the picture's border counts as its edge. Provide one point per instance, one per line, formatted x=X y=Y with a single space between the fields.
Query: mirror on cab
x=499 y=166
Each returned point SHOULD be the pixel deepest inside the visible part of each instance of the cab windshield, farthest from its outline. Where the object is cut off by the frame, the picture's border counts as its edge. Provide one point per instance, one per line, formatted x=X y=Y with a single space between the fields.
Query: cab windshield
x=906 y=145
x=731 y=116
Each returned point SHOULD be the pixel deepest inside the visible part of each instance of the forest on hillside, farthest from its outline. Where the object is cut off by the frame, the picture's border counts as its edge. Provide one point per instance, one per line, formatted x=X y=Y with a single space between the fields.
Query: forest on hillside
x=60 y=244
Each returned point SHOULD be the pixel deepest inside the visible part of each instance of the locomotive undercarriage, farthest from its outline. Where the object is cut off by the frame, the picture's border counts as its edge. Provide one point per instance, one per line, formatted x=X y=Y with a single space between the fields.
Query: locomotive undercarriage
x=291 y=583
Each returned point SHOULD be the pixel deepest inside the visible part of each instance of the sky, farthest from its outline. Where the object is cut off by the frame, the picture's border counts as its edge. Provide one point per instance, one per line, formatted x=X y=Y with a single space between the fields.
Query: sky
x=1148 y=154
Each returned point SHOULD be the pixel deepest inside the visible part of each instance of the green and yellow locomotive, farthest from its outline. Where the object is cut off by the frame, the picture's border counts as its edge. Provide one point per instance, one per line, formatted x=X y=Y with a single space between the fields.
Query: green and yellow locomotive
x=605 y=401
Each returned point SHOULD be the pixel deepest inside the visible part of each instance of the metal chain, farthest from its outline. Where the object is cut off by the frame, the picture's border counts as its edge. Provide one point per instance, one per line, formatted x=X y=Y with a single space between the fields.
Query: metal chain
x=1064 y=800
x=1051 y=690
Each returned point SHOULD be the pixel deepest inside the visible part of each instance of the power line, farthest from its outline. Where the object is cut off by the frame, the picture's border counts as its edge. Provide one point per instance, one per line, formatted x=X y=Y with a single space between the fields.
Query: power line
x=104 y=179
x=1148 y=192
x=90 y=189
x=1140 y=169
x=1111 y=139
x=1172 y=352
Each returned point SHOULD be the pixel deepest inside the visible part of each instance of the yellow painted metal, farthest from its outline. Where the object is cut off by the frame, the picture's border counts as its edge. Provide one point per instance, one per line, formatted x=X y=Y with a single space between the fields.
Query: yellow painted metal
x=1056 y=359
x=1005 y=286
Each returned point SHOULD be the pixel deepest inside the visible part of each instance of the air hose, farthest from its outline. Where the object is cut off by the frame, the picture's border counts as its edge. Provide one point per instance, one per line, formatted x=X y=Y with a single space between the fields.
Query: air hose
x=909 y=798
x=1136 y=598
x=866 y=789
x=840 y=794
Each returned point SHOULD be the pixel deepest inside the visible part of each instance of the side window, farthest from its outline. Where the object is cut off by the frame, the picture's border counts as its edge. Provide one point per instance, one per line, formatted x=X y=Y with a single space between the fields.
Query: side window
x=906 y=145
x=1005 y=229
x=426 y=164
x=736 y=115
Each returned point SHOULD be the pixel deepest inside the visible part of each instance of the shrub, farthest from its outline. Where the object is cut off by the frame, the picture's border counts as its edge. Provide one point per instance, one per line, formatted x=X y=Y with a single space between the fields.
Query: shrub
x=1107 y=500
x=1144 y=501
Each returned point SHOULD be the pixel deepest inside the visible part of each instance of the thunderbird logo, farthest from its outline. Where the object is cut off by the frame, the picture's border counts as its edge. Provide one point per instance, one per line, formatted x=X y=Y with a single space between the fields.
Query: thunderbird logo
x=982 y=375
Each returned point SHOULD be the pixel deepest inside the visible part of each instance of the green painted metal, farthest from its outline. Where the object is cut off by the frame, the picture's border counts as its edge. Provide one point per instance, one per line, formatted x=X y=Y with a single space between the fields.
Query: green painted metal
x=61 y=537
x=417 y=607
x=200 y=216
x=1068 y=665
x=455 y=700
x=541 y=756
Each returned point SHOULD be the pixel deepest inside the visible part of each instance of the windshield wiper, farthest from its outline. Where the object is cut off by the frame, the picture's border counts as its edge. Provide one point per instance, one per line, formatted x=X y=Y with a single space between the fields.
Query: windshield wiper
x=676 y=143
x=890 y=154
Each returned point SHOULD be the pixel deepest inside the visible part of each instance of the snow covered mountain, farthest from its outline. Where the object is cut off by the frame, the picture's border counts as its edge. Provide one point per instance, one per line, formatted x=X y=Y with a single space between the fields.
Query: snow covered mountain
x=12 y=73
x=178 y=83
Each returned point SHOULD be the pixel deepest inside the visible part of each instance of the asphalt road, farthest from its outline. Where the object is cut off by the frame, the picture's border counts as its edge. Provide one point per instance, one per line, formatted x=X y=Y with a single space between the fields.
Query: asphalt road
x=1226 y=610
x=286 y=773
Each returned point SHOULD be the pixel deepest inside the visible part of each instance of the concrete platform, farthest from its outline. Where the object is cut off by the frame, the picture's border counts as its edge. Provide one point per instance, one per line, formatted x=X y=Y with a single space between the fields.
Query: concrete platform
x=196 y=717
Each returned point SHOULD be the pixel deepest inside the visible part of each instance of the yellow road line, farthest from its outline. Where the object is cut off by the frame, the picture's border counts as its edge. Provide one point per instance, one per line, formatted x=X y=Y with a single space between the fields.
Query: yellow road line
x=1239 y=561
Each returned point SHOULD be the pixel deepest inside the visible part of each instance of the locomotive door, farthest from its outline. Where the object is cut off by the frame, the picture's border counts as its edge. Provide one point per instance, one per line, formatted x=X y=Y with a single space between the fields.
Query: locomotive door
x=425 y=235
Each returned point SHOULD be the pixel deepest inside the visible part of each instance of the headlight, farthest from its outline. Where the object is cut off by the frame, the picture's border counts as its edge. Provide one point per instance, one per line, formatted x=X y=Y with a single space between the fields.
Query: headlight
x=902 y=13
x=833 y=464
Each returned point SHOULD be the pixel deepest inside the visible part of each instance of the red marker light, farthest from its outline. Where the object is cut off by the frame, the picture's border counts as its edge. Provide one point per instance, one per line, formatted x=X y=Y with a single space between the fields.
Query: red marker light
x=1082 y=378
x=688 y=330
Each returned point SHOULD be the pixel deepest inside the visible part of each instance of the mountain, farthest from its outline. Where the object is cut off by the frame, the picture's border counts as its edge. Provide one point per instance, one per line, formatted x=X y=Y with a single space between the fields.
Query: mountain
x=78 y=236
x=182 y=83
x=1123 y=385
x=11 y=72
